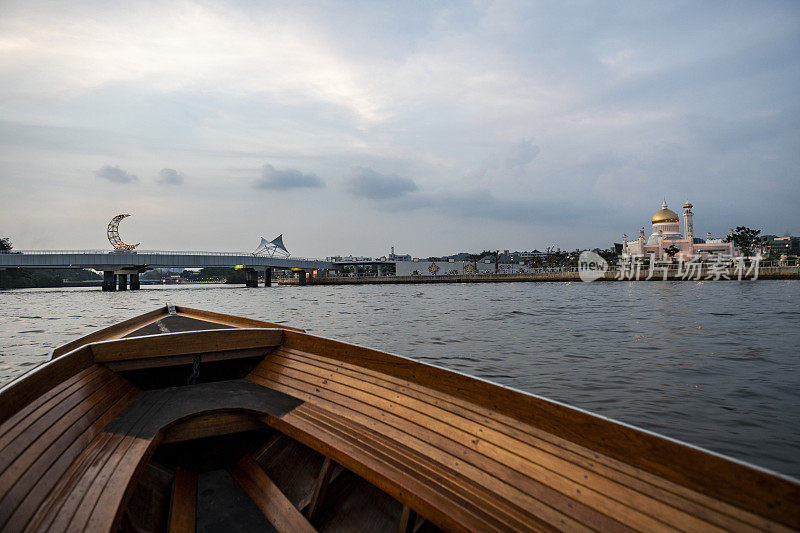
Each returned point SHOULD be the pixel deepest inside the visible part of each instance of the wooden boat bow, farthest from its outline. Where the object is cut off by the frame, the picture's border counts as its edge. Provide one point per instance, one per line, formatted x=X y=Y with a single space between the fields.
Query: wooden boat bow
x=320 y=434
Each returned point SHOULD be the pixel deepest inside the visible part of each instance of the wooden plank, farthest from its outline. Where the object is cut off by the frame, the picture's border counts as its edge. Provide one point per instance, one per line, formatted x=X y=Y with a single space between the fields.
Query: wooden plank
x=408 y=519
x=270 y=500
x=704 y=507
x=183 y=509
x=586 y=486
x=32 y=385
x=70 y=505
x=91 y=491
x=397 y=482
x=37 y=458
x=51 y=485
x=210 y=425
x=320 y=488
x=115 y=331
x=741 y=485
x=451 y=486
x=52 y=504
x=495 y=476
x=107 y=512
x=174 y=360
x=231 y=320
x=262 y=452
x=44 y=403
x=194 y=342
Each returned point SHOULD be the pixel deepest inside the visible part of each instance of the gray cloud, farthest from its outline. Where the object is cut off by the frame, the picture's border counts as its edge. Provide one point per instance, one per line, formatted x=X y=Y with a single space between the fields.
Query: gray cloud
x=367 y=183
x=520 y=154
x=115 y=175
x=273 y=179
x=170 y=176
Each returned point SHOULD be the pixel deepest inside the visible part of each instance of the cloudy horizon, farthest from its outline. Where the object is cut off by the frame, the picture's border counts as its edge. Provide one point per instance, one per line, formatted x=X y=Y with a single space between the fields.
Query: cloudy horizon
x=434 y=128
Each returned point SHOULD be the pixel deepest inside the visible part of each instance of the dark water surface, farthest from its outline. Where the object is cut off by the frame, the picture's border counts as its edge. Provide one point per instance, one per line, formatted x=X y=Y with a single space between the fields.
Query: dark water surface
x=714 y=363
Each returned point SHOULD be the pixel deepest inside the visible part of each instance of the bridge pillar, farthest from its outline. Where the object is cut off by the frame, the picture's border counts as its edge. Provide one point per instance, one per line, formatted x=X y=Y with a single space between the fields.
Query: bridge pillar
x=251 y=277
x=301 y=277
x=135 y=286
x=109 y=281
x=122 y=282
x=380 y=270
x=268 y=277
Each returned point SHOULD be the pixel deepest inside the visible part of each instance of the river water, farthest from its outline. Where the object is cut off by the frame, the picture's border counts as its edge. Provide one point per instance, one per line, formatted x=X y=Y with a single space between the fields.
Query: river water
x=714 y=364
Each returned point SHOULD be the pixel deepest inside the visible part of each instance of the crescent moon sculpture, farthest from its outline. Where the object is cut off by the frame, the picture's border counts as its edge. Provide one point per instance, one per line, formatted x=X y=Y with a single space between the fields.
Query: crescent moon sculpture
x=113 y=235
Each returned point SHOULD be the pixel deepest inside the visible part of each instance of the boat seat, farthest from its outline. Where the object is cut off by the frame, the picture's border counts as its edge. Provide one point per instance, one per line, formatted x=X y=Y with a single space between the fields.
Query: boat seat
x=466 y=467
x=49 y=446
x=71 y=458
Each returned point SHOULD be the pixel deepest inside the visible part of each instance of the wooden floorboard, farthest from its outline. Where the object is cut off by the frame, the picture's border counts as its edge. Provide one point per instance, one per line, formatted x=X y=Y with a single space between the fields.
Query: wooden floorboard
x=183 y=507
x=275 y=506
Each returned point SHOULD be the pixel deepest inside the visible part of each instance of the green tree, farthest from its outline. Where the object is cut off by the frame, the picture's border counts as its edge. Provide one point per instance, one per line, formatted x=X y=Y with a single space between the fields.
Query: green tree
x=672 y=251
x=610 y=256
x=746 y=239
x=5 y=244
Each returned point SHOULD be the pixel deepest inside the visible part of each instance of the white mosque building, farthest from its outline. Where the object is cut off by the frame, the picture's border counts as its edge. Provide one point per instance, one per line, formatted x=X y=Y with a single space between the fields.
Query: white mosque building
x=666 y=232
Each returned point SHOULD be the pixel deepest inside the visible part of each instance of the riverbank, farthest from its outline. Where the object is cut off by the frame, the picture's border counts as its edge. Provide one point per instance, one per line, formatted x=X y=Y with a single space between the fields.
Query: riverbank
x=706 y=274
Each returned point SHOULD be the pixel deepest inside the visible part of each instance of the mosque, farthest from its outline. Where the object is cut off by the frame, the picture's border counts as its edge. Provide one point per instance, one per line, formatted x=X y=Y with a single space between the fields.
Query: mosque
x=666 y=232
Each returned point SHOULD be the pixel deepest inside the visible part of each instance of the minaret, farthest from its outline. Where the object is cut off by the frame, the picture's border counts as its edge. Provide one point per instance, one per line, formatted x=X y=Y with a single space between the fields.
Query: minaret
x=688 y=227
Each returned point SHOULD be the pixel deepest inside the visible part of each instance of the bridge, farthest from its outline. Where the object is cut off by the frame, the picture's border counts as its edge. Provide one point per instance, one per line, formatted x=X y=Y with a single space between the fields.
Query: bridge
x=123 y=267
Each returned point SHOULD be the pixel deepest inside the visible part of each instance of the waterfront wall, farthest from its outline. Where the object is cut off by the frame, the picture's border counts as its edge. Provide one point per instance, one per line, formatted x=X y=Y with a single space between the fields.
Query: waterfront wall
x=764 y=273
x=457 y=268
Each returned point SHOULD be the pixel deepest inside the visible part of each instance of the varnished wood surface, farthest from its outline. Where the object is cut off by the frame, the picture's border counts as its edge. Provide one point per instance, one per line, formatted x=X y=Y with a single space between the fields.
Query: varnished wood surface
x=46 y=379
x=209 y=425
x=177 y=344
x=183 y=508
x=114 y=331
x=320 y=488
x=154 y=410
x=46 y=450
x=362 y=408
x=270 y=500
x=141 y=322
x=71 y=460
x=231 y=320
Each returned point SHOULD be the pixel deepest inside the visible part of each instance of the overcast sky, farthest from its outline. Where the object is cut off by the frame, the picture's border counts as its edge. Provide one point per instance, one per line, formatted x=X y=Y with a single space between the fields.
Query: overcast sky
x=435 y=127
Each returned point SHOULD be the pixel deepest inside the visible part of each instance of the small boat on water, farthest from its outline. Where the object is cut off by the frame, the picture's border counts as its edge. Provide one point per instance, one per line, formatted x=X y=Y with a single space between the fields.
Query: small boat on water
x=186 y=420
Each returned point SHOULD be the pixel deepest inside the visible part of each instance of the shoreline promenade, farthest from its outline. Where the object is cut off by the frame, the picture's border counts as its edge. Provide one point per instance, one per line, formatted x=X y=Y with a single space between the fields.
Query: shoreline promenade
x=764 y=273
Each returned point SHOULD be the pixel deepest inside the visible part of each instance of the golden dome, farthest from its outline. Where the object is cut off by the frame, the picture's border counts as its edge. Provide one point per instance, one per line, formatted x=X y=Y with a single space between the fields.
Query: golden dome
x=665 y=215
x=688 y=205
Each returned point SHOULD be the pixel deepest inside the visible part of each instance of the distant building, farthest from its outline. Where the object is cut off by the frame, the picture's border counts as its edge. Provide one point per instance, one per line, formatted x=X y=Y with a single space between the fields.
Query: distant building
x=785 y=245
x=666 y=233
x=530 y=255
x=424 y=267
x=395 y=257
